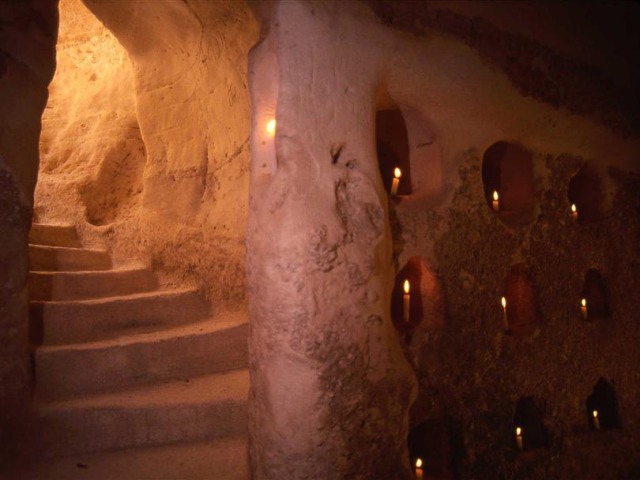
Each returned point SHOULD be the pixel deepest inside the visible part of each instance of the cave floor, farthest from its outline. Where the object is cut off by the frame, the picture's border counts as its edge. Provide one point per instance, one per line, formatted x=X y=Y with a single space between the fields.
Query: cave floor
x=220 y=460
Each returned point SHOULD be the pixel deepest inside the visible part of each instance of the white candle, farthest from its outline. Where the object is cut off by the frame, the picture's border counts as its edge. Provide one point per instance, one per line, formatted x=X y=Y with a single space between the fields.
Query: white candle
x=505 y=320
x=419 y=471
x=406 y=301
x=583 y=308
x=574 y=211
x=397 y=173
x=596 y=420
x=519 y=438
x=496 y=201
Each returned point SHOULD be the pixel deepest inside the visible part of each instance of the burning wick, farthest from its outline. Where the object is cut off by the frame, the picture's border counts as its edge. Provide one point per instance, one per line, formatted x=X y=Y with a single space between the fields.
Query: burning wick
x=419 y=472
x=496 y=202
x=271 y=127
x=596 y=420
x=574 y=211
x=397 y=173
x=406 y=300
x=583 y=308
x=519 y=438
x=505 y=320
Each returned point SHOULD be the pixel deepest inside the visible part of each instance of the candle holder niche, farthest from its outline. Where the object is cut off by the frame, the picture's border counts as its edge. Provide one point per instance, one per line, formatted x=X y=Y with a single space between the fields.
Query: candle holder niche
x=529 y=431
x=508 y=180
x=392 y=145
x=594 y=298
x=407 y=309
x=519 y=310
x=604 y=403
x=586 y=196
x=432 y=443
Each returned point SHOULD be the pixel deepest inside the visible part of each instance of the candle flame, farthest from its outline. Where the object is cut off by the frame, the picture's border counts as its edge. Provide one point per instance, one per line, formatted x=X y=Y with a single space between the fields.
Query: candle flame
x=418 y=462
x=583 y=302
x=495 y=195
x=406 y=286
x=397 y=173
x=518 y=431
x=503 y=301
x=271 y=127
x=595 y=414
x=573 y=208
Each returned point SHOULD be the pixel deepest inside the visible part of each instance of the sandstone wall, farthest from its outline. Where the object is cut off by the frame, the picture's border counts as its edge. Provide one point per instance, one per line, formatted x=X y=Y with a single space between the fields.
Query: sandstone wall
x=146 y=140
x=318 y=358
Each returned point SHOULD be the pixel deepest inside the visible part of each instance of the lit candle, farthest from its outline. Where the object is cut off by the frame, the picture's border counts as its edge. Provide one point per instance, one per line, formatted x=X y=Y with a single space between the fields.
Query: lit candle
x=419 y=472
x=271 y=127
x=519 y=438
x=505 y=320
x=574 y=211
x=396 y=181
x=496 y=201
x=583 y=308
x=405 y=302
x=596 y=420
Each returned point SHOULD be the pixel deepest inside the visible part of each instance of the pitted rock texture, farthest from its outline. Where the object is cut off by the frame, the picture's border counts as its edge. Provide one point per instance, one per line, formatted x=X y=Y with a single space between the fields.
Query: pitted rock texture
x=473 y=374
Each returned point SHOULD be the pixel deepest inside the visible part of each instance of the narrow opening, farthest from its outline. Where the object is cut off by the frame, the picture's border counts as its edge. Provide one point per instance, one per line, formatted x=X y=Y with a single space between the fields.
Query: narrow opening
x=604 y=403
x=392 y=144
x=407 y=308
x=431 y=442
x=594 y=298
x=585 y=193
x=528 y=424
x=520 y=306
x=507 y=176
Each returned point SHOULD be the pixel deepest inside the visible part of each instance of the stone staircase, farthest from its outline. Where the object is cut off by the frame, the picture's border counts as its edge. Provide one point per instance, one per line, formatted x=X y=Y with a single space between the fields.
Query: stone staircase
x=122 y=364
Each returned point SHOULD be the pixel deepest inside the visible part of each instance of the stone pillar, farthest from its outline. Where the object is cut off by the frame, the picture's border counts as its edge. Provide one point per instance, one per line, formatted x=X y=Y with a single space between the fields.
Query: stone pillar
x=330 y=387
x=27 y=62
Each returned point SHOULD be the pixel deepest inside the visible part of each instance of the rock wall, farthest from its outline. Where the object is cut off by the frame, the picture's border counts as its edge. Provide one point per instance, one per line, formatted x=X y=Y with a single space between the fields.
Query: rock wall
x=27 y=60
x=152 y=160
x=322 y=265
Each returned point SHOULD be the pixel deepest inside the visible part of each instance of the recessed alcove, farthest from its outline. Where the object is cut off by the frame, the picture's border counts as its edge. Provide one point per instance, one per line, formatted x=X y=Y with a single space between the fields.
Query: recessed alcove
x=521 y=303
x=585 y=192
x=392 y=145
x=507 y=170
x=413 y=271
x=529 y=417
x=603 y=400
x=431 y=442
x=594 y=292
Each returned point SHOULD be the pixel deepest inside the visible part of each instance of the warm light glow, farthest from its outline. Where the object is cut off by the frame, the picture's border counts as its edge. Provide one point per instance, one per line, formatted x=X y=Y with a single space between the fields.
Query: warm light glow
x=595 y=414
x=418 y=463
x=573 y=208
x=406 y=286
x=271 y=127
x=503 y=301
x=397 y=173
x=583 y=302
x=518 y=431
x=495 y=195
